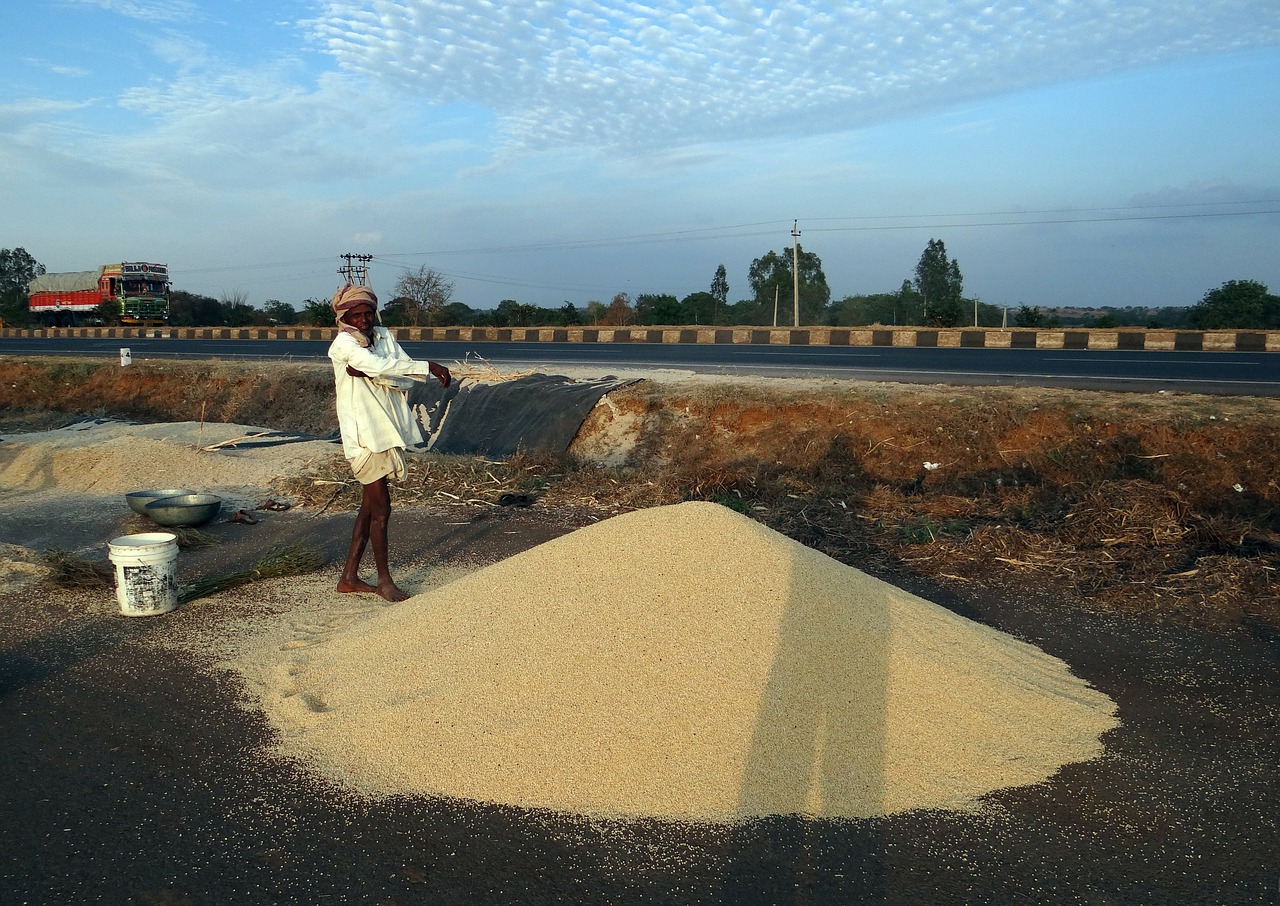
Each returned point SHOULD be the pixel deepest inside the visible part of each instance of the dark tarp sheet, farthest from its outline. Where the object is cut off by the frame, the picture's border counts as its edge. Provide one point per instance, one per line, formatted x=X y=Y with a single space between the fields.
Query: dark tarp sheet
x=540 y=413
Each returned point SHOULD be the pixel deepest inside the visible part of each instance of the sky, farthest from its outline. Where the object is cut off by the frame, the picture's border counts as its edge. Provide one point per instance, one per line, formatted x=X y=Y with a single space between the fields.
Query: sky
x=1067 y=152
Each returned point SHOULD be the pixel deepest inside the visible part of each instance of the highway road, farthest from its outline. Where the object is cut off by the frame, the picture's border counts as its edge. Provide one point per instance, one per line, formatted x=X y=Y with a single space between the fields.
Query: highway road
x=1226 y=373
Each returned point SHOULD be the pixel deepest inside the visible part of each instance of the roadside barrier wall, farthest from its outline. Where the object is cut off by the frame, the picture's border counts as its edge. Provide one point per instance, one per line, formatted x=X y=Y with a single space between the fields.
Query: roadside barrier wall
x=978 y=338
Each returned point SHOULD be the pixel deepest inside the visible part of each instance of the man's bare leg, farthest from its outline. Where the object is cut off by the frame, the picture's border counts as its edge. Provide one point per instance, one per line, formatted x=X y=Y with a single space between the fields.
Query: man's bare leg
x=371 y=526
x=350 y=580
x=378 y=521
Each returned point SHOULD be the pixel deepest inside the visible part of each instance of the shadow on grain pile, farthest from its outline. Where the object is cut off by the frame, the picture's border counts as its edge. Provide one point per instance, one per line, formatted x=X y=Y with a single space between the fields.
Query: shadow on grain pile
x=712 y=670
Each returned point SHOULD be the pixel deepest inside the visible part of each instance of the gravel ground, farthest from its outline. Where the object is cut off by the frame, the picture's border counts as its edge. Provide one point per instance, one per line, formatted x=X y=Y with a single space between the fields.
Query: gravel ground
x=135 y=771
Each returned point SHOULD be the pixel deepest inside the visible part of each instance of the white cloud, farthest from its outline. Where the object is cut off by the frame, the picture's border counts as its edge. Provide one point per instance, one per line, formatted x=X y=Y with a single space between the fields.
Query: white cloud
x=232 y=144
x=23 y=112
x=146 y=10
x=614 y=73
x=259 y=128
x=1222 y=192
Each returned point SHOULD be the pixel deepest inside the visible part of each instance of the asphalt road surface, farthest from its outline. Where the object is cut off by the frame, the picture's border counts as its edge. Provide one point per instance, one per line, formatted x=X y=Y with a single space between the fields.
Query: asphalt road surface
x=1226 y=373
x=132 y=772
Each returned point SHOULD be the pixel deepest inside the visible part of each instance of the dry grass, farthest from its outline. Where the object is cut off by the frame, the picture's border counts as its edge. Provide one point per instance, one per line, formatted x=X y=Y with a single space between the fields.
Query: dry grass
x=67 y=570
x=1126 y=544
x=290 y=560
x=187 y=537
x=1161 y=502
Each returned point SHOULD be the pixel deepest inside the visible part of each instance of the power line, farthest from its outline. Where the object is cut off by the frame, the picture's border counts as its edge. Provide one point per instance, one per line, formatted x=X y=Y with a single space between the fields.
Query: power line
x=1134 y=207
x=997 y=223
x=754 y=230
x=355 y=269
x=577 y=244
x=714 y=233
x=263 y=266
x=501 y=281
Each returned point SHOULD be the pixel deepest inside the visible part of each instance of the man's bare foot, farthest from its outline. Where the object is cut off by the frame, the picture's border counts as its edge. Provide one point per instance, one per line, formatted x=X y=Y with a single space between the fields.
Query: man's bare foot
x=391 y=592
x=358 y=585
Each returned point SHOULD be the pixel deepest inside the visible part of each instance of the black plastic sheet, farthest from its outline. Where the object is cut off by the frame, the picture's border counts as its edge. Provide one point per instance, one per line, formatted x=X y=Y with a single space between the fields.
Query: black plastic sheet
x=540 y=413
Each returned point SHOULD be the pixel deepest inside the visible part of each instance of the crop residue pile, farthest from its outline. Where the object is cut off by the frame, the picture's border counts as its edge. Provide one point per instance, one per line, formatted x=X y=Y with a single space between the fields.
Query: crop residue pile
x=682 y=662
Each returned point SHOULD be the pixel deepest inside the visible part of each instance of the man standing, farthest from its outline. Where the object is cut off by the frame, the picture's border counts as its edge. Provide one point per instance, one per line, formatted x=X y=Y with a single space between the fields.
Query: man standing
x=371 y=376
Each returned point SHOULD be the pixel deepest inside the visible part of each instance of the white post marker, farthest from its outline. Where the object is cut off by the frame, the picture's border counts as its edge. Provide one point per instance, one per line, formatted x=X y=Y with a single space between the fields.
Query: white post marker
x=126 y=357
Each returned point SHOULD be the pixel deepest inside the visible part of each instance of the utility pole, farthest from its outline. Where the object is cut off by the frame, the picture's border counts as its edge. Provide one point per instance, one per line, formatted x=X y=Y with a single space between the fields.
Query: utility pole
x=775 y=304
x=356 y=269
x=795 y=265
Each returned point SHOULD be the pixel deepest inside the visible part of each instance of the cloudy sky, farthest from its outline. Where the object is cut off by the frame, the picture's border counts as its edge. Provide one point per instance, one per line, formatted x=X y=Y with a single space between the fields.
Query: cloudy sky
x=1066 y=151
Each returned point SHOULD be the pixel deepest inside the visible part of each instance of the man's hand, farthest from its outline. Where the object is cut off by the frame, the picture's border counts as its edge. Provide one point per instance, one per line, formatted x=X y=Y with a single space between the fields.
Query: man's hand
x=440 y=373
x=351 y=371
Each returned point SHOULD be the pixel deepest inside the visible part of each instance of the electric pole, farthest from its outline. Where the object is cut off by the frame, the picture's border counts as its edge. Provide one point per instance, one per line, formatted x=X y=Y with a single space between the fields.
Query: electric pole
x=356 y=269
x=795 y=265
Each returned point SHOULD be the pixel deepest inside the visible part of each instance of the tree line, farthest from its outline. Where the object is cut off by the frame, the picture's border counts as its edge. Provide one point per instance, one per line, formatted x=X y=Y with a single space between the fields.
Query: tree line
x=933 y=297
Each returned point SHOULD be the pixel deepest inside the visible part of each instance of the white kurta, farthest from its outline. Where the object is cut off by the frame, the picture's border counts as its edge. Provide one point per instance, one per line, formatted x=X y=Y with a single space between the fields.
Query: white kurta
x=373 y=413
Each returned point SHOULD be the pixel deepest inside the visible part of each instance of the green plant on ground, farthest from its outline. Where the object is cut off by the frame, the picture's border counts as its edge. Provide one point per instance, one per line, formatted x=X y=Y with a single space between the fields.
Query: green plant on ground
x=925 y=530
x=732 y=501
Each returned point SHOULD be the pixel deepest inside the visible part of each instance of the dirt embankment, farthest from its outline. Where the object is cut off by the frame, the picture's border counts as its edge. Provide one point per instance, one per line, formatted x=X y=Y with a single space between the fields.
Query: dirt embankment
x=285 y=397
x=1153 y=502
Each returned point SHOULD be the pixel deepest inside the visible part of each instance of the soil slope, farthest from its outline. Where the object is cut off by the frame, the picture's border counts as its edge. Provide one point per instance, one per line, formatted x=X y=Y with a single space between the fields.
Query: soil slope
x=1161 y=503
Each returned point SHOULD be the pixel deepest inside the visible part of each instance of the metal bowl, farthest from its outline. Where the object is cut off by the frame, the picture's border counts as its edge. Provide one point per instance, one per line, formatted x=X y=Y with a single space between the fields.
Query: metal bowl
x=138 y=500
x=183 y=509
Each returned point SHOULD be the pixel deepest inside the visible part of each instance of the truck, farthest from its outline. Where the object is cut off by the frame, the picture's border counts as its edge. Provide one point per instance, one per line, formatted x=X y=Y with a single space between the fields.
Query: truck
x=131 y=292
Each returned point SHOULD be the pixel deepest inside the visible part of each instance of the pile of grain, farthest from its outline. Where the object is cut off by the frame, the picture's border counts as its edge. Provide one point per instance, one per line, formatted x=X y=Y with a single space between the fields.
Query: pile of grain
x=19 y=567
x=682 y=662
x=108 y=457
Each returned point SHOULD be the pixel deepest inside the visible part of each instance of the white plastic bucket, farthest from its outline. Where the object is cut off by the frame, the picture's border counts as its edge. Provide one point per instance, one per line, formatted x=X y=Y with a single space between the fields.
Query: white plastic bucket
x=146 y=584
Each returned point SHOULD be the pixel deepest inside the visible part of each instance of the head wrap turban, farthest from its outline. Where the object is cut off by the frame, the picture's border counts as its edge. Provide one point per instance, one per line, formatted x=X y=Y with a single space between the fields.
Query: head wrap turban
x=348 y=298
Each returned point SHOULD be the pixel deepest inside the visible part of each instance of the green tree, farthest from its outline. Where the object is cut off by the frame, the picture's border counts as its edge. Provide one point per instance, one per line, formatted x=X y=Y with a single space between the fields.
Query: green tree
x=316 y=312
x=657 y=308
x=236 y=310
x=745 y=311
x=1028 y=316
x=507 y=314
x=771 y=279
x=856 y=311
x=392 y=314
x=107 y=313
x=194 y=310
x=511 y=313
x=569 y=314
x=239 y=314
x=1237 y=304
x=425 y=292
x=596 y=311
x=988 y=315
x=719 y=295
x=909 y=308
x=701 y=308
x=620 y=312
x=940 y=284
x=17 y=269
x=278 y=312
x=1104 y=321
x=456 y=313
